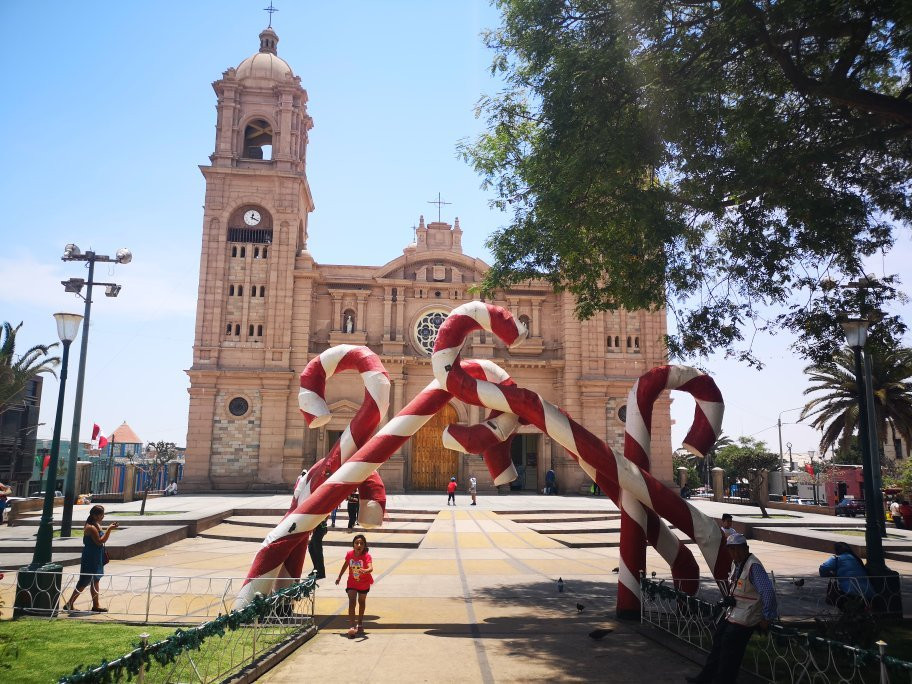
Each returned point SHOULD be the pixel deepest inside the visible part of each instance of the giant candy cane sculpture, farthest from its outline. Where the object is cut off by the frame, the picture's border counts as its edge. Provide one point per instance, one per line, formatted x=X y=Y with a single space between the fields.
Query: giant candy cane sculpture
x=283 y=557
x=635 y=518
x=489 y=438
x=596 y=458
x=362 y=464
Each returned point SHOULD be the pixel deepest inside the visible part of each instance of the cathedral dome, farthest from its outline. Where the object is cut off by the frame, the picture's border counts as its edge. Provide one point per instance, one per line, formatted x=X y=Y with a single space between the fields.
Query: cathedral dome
x=265 y=64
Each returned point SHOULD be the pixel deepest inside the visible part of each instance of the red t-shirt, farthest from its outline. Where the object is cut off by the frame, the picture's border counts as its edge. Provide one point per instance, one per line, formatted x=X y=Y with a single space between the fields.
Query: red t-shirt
x=451 y=487
x=357 y=579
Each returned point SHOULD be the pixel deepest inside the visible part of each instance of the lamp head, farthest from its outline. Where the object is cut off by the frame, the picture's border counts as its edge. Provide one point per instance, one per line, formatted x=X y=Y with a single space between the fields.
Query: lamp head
x=856 y=331
x=71 y=251
x=67 y=326
x=112 y=290
x=73 y=285
x=124 y=256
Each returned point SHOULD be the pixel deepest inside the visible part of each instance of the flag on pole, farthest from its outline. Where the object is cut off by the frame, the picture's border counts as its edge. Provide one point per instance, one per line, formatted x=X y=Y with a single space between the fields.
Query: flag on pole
x=99 y=436
x=809 y=468
x=46 y=463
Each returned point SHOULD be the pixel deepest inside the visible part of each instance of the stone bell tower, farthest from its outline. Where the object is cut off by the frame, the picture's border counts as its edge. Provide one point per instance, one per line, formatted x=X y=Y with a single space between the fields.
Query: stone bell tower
x=254 y=228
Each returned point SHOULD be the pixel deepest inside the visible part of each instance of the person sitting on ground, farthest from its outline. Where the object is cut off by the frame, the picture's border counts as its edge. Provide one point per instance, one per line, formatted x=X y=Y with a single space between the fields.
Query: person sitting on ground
x=855 y=588
x=726 y=525
x=171 y=489
x=905 y=512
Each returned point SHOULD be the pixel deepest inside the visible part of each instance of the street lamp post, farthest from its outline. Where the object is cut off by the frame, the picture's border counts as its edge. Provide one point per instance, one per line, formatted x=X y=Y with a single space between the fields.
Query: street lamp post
x=73 y=253
x=41 y=574
x=781 y=457
x=886 y=581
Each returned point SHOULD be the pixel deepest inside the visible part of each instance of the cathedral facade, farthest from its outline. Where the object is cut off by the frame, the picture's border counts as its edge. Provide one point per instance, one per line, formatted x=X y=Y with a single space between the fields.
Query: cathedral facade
x=266 y=307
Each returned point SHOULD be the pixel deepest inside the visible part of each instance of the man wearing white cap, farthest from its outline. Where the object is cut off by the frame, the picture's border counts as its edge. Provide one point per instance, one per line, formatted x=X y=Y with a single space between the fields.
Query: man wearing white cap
x=751 y=604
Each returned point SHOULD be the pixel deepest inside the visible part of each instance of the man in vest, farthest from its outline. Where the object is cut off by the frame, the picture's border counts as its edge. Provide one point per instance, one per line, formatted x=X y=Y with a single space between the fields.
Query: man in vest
x=751 y=604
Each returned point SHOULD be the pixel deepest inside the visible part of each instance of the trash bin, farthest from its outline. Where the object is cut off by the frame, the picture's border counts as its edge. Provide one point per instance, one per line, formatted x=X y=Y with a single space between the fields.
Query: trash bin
x=38 y=590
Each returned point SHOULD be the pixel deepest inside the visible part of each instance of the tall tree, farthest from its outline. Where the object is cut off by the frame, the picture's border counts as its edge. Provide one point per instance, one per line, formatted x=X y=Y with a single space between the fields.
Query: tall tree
x=835 y=409
x=16 y=372
x=155 y=460
x=729 y=160
x=747 y=460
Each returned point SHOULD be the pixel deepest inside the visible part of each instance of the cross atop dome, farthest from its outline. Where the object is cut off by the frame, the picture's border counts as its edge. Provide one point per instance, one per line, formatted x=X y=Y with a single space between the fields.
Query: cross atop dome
x=271 y=10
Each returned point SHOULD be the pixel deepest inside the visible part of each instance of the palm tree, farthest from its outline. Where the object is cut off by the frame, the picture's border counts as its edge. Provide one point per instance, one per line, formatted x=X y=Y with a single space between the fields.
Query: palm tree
x=15 y=373
x=835 y=409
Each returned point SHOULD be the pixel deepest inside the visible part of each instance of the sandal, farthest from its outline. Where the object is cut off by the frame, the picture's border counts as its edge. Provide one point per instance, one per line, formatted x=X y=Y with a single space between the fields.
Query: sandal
x=99 y=610
x=352 y=632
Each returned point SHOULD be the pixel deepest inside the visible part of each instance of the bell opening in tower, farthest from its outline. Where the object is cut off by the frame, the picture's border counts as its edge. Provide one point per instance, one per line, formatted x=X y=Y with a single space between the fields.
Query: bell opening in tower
x=258 y=140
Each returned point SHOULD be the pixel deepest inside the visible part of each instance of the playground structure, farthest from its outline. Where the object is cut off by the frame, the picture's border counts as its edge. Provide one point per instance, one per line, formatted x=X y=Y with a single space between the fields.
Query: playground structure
x=645 y=502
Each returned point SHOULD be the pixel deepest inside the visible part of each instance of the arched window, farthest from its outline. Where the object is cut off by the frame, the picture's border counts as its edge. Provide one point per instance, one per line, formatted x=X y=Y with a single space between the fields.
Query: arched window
x=250 y=331
x=256 y=252
x=264 y=251
x=617 y=341
x=237 y=329
x=243 y=252
x=262 y=290
x=241 y=294
x=231 y=290
x=259 y=331
x=609 y=341
x=348 y=321
x=228 y=329
x=258 y=140
x=636 y=342
x=526 y=321
x=234 y=251
x=253 y=290
x=629 y=342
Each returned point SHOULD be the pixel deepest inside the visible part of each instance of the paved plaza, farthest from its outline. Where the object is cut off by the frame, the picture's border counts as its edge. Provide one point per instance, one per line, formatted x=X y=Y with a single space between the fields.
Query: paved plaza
x=463 y=594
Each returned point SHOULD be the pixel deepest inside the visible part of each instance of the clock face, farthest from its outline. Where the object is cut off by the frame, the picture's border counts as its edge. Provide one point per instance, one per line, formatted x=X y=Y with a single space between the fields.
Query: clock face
x=252 y=217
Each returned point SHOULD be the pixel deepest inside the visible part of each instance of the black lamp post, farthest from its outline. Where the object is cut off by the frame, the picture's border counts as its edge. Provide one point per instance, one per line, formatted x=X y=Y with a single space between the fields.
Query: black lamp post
x=885 y=581
x=38 y=584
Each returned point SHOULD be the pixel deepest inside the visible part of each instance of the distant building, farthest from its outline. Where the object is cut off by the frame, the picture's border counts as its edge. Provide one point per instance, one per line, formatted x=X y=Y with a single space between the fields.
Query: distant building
x=42 y=449
x=18 y=425
x=123 y=443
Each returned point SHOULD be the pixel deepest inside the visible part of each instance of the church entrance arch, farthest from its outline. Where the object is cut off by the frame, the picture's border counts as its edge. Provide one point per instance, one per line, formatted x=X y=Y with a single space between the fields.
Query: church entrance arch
x=432 y=464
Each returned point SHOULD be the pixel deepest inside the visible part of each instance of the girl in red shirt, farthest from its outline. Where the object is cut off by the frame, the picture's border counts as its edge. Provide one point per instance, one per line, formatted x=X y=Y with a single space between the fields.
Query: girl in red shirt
x=360 y=577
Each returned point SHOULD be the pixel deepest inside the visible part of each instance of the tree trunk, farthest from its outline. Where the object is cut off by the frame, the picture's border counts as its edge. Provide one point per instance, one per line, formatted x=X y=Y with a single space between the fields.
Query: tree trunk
x=142 y=509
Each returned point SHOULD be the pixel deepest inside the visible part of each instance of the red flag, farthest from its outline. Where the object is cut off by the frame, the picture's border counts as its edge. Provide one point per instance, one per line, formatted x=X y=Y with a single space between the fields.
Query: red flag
x=47 y=462
x=97 y=434
x=809 y=468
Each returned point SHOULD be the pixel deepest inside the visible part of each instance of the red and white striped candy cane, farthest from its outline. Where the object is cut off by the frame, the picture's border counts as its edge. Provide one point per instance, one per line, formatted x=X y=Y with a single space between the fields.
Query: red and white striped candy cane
x=491 y=437
x=596 y=458
x=364 y=462
x=635 y=517
x=284 y=557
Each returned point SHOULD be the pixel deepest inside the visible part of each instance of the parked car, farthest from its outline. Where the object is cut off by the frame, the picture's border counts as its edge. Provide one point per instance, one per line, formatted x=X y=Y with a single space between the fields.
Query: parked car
x=850 y=507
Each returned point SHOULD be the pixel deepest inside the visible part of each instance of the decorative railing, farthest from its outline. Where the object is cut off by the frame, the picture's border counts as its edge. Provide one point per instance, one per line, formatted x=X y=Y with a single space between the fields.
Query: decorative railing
x=217 y=649
x=814 y=643
x=142 y=598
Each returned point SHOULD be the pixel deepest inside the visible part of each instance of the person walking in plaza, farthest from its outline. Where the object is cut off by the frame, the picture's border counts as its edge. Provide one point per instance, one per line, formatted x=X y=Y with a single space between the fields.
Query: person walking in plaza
x=5 y=491
x=473 y=489
x=315 y=548
x=353 y=501
x=726 y=525
x=854 y=590
x=360 y=567
x=451 y=491
x=550 y=482
x=93 y=557
x=750 y=605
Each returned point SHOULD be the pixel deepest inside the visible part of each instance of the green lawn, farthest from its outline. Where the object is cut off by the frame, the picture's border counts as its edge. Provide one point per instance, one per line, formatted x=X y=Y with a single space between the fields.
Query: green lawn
x=41 y=651
x=860 y=532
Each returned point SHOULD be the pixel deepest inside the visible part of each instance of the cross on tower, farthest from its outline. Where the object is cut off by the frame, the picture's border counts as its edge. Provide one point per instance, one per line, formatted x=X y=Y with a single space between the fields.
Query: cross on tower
x=270 y=9
x=439 y=202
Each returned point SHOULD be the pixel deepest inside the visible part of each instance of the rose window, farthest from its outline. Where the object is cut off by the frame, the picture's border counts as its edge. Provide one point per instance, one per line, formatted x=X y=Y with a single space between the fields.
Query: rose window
x=426 y=329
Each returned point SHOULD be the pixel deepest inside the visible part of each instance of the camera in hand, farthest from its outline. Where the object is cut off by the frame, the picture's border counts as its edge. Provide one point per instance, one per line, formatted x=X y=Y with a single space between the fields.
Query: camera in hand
x=727 y=602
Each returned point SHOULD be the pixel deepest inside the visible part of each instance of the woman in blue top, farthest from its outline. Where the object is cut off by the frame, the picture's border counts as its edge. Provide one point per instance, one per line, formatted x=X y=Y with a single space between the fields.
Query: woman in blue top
x=849 y=572
x=92 y=567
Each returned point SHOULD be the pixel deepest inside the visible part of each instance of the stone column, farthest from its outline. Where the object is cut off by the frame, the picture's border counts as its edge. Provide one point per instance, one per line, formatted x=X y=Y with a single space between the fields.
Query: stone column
x=199 y=439
x=272 y=436
x=717 y=483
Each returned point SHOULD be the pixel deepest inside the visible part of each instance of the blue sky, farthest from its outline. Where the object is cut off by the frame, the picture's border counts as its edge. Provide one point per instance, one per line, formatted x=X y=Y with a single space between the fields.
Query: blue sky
x=109 y=112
